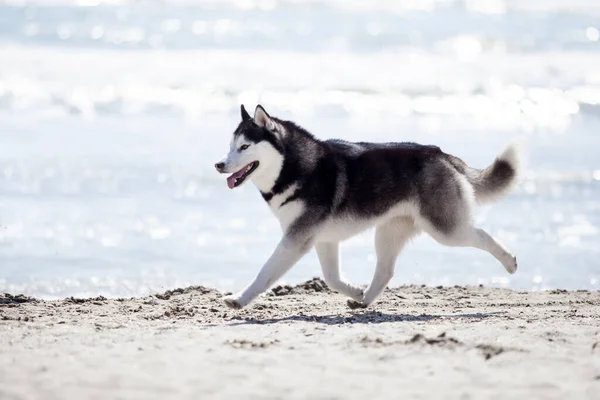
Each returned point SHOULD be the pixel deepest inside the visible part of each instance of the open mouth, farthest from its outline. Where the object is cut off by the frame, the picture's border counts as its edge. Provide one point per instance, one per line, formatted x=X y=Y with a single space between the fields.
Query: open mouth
x=237 y=178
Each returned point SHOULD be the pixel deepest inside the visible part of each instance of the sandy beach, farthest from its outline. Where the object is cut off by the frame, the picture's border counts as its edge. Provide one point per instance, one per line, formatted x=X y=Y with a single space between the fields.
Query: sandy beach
x=113 y=114
x=304 y=342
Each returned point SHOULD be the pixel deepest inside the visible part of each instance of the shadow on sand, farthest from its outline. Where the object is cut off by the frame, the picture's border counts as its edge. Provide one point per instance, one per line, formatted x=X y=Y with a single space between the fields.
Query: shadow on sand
x=366 y=317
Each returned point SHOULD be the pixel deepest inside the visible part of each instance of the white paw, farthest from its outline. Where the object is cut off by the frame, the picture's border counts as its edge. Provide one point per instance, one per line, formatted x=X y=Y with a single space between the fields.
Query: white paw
x=356 y=293
x=511 y=264
x=353 y=304
x=232 y=301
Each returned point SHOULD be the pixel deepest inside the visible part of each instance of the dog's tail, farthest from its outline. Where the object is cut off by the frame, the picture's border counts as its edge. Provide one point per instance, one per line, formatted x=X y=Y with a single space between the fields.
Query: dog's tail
x=497 y=180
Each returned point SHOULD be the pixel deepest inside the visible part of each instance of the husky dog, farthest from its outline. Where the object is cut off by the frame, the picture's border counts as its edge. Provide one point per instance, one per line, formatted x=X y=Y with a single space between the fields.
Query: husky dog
x=323 y=192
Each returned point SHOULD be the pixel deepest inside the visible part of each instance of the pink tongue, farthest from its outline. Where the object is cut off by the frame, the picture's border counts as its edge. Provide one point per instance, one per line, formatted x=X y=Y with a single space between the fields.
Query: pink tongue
x=231 y=179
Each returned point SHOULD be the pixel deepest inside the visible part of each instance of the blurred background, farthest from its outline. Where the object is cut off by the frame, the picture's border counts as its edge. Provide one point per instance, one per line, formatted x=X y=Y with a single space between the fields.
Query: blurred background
x=112 y=114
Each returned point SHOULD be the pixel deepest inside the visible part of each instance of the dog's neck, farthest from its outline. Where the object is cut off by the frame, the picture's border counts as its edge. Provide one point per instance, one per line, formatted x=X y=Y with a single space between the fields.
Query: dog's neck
x=266 y=178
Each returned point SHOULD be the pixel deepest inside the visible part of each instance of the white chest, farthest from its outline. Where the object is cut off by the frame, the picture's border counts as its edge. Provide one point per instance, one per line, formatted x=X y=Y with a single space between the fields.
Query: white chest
x=286 y=211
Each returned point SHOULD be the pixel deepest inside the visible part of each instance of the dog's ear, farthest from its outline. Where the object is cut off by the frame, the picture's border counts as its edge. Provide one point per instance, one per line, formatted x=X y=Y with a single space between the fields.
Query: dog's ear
x=245 y=115
x=262 y=119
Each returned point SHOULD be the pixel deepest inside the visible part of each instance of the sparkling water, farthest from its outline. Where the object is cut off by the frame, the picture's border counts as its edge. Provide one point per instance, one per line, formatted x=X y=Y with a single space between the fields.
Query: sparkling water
x=112 y=114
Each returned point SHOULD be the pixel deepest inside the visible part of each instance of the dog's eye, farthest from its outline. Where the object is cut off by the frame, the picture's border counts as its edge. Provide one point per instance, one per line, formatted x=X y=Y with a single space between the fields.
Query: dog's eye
x=244 y=147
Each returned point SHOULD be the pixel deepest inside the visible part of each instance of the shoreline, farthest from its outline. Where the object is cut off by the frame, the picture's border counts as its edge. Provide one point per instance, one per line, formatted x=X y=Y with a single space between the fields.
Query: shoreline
x=304 y=342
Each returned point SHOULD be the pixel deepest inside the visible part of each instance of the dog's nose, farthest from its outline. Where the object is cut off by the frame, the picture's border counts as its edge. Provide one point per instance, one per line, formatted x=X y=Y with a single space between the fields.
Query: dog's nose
x=219 y=166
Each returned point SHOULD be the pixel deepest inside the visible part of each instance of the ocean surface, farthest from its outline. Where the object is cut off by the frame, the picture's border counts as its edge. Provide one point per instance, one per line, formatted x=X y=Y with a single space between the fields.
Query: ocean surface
x=112 y=114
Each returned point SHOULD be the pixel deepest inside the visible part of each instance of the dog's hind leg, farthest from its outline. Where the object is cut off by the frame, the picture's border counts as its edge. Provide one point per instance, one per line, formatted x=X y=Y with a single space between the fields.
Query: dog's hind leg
x=390 y=238
x=446 y=215
x=329 y=257
x=469 y=236
x=484 y=241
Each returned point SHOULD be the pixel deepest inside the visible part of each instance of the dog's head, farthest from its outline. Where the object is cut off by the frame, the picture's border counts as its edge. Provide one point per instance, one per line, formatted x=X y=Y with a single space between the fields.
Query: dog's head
x=255 y=151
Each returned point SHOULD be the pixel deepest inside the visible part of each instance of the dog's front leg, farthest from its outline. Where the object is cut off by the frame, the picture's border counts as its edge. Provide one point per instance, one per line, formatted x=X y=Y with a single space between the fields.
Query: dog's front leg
x=287 y=253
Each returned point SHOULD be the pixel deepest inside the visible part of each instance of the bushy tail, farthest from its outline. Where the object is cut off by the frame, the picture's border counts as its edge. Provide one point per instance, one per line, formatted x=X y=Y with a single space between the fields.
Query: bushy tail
x=498 y=179
x=495 y=181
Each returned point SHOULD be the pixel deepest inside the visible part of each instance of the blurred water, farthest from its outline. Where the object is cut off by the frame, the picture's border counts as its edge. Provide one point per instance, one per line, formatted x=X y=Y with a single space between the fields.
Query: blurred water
x=113 y=113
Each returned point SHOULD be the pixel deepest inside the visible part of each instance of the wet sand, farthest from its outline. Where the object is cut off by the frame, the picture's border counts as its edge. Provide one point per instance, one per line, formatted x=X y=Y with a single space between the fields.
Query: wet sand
x=304 y=342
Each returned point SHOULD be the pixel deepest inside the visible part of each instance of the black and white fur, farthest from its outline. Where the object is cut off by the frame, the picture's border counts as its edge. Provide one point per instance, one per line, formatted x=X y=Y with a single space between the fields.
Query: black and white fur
x=323 y=192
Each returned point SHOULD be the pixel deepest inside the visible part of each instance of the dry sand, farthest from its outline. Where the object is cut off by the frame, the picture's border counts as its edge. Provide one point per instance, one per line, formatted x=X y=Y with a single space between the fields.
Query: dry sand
x=304 y=343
